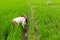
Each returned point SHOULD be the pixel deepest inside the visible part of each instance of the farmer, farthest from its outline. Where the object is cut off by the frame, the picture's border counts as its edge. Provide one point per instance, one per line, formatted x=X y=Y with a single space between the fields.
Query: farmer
x=22 y=19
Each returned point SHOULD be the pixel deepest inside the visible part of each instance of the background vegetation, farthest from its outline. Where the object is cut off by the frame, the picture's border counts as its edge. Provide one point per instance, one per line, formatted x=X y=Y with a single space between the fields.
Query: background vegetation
x=47 y=19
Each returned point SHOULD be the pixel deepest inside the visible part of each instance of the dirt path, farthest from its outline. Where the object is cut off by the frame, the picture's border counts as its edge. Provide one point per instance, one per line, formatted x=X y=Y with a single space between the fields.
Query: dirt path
x=34 y=19
x=24 y=34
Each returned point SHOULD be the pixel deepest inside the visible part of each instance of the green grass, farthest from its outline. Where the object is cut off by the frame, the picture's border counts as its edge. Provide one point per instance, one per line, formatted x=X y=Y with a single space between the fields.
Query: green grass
x=48 y=26
x=47 y=19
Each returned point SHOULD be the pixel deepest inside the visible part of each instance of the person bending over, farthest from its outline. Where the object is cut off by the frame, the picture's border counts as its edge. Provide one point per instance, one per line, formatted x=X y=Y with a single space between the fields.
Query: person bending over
x=22 y=19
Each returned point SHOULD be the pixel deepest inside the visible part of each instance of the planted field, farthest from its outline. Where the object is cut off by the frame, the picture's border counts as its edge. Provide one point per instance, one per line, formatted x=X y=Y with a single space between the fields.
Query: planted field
x=47 y=19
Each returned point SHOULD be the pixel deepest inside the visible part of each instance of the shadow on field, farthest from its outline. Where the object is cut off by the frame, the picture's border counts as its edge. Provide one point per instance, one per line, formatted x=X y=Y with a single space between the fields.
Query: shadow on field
x=6 y=35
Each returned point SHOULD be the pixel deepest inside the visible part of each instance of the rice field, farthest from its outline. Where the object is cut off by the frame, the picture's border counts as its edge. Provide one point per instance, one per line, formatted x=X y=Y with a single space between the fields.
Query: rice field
x=47 y=19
